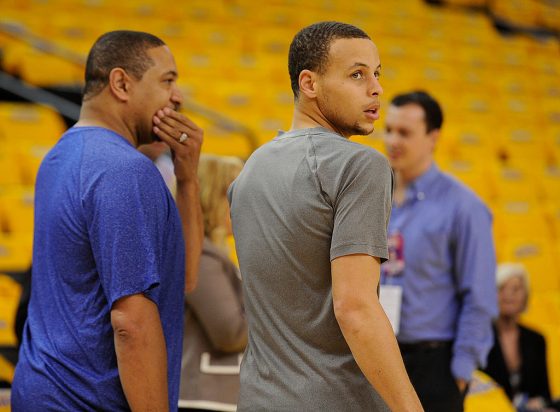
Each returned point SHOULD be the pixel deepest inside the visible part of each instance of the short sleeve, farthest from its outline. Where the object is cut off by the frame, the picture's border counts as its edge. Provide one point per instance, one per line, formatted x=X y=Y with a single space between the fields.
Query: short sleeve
x=362 y=207
x=126 y=209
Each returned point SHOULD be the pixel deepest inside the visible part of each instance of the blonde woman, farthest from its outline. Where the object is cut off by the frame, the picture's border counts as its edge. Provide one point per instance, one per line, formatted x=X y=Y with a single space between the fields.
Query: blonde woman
x=215 y=325
x=517 y=360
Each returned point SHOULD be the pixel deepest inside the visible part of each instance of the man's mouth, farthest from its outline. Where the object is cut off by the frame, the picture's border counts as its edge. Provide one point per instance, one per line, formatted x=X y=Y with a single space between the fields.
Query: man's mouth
x=372 y=112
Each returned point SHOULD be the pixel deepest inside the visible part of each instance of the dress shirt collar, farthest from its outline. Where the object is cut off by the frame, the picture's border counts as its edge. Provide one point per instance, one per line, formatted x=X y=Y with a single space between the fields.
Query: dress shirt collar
x=419 y=188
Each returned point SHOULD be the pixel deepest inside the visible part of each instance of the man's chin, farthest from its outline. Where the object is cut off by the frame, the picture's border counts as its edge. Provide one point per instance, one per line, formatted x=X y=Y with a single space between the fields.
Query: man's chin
x=360 y=130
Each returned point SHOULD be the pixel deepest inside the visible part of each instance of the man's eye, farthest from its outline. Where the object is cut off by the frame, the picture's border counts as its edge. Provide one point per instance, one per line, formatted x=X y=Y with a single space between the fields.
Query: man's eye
x=377 y=75
x=357 y=75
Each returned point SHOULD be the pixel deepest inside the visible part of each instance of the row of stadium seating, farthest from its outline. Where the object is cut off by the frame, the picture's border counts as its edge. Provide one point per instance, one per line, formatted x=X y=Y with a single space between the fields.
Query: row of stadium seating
x=500 y=96
x=525 y=14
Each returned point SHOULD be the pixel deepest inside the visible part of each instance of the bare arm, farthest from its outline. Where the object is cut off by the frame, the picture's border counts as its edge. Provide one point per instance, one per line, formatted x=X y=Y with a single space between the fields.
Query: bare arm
x=188 y=204
x=169 y=125
x=368 y=331
x=141 y=353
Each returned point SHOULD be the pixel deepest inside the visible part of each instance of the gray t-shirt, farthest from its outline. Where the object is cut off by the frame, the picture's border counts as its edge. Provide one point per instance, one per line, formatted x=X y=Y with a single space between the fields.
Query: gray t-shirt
x=302 y=200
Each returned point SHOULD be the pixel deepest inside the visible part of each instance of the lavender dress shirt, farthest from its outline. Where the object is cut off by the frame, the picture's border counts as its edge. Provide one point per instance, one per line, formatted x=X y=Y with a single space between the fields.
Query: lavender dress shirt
x=448 y=280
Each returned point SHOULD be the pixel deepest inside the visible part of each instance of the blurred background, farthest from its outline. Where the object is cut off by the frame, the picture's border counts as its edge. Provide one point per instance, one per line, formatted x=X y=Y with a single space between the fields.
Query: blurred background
x=493 y=64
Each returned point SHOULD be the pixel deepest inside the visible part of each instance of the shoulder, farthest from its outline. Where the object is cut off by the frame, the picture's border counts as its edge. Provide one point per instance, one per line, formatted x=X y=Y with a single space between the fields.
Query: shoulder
x=107 y=155
x=465 y=199
x=343 y=154
x=532 y=335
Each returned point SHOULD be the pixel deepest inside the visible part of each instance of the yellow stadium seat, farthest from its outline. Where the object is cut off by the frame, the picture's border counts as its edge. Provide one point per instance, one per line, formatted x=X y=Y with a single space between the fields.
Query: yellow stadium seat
x=517 y=12
x=469 y=3
x=10 y=292
x=221 y=141
x=552 y=336
x=10 y=170
x=486 y=396
x=543 y=315
x=552 y=143
x=16 y=209
x=15 y=252
x=26 y=123
x=471 y=142
x=539 y=257
x=543 y=309
x=519 y=218
x=552 y=215
x=13 y=55
x=522 y=145
x=549 y=15
x=549 y=183
x=514 y=184
x=55 y=71
x=30 y=158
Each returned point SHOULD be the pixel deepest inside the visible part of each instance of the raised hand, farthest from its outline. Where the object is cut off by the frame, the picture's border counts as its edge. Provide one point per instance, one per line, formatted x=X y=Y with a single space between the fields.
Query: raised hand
x=184 y=138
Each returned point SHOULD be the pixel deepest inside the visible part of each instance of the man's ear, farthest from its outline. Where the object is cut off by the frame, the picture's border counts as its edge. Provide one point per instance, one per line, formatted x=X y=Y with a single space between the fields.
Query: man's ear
x=120 y=84
x=308 y=83
x=434 y=138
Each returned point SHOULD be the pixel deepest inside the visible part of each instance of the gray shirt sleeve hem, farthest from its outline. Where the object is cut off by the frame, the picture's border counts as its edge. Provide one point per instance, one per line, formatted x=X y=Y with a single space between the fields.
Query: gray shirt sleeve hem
x=357 y=248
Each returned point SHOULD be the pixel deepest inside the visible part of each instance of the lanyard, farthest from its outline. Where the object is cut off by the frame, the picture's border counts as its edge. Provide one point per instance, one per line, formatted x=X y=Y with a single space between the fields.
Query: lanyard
x=395 y=265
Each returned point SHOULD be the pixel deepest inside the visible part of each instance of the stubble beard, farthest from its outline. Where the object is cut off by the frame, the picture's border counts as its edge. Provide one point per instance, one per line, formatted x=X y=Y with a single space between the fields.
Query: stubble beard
x=352 y=130
x=338 y=122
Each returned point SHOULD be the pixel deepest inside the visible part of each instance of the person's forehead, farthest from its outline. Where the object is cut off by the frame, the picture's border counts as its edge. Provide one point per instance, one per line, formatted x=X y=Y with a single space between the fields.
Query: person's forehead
x=410 y=113
x=514 y=280
x=346 y=52
x=163 y=58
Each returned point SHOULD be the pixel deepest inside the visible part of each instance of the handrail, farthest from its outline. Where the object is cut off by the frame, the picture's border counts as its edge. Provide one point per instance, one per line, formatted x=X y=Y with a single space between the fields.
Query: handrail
x=35 y=94
x=71 y=110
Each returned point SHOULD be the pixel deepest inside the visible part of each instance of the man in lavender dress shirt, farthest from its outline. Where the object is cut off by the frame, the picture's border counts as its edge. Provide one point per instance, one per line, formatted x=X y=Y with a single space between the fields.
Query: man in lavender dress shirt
x=443 y=260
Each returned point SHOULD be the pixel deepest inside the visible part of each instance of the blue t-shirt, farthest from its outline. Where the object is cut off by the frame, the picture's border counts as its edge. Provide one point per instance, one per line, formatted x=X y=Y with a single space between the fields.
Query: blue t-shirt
x=106 y=227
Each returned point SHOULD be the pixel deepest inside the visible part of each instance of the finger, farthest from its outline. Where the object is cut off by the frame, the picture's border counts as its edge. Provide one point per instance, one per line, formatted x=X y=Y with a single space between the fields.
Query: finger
x=173 y=131
x=173 y=142
x=176 y=129
x=180 y=118
x=167 y=138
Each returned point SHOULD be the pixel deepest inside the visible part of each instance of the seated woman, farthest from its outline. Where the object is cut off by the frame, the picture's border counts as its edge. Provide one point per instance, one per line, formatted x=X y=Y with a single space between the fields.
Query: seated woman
x=215 y=325
x=517 y=361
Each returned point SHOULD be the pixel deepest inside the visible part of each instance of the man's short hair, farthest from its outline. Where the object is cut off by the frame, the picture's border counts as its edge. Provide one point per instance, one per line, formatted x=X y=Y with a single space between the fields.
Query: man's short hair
x=122 y=48
x=309 y=49
x=432 y=110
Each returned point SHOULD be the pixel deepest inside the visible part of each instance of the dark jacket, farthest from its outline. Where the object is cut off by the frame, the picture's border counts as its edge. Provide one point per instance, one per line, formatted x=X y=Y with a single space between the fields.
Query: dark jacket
x=534 y=376
x=215 y=335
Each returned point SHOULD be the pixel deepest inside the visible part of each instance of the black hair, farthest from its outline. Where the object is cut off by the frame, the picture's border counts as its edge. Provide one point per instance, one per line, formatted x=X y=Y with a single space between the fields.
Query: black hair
x=309 y=49
x=432 y=110
x=122 y=48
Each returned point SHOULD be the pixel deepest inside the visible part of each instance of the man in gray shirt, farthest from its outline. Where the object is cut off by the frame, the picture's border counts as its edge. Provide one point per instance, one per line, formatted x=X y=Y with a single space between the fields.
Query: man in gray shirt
x=310 y=213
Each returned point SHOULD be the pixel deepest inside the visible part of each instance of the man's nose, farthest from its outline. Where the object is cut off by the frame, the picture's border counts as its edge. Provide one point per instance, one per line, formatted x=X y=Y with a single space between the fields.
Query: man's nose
x=177 y=97
x=376 y=88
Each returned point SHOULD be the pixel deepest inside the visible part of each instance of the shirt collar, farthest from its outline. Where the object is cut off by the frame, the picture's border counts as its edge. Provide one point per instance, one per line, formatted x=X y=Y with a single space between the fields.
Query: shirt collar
x=307 y=131
x=421 y=186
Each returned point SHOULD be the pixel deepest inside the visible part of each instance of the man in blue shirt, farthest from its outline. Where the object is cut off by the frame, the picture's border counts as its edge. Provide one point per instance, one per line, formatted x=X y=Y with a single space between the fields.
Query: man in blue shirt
x=104 y=330
x=442 y=260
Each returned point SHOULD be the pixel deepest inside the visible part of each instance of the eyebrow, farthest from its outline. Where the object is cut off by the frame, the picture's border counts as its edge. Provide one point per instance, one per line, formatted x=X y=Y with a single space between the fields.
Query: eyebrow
x=358 y=64
x=170 y=72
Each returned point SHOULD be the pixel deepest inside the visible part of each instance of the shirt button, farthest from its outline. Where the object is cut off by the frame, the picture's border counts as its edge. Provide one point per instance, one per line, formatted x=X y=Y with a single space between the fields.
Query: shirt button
x=420 y=196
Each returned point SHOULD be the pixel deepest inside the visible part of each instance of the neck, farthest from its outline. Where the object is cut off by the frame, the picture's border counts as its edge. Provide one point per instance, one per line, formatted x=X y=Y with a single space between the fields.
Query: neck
x=405 y=177
x=506 y=323
x=308 y=116
x=95 y=113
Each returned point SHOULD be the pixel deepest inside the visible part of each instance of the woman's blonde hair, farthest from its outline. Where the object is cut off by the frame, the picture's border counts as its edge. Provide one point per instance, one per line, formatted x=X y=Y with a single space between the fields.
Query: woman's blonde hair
x=508 y=270
x=216 y=173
